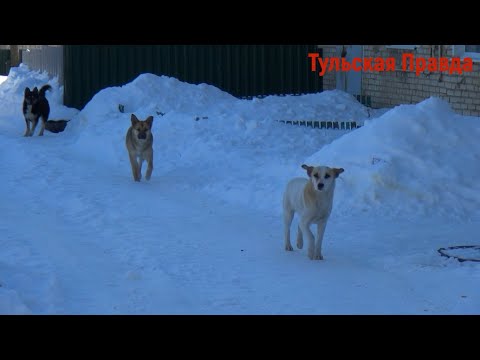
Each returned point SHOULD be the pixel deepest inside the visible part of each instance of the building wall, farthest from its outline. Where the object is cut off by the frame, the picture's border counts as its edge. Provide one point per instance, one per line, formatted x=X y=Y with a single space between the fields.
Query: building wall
x=388 y=89
x=329 y=78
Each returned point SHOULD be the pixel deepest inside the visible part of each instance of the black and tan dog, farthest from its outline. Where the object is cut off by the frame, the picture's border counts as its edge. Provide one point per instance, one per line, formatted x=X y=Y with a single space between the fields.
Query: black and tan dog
x=139 y=142
x=35 y=106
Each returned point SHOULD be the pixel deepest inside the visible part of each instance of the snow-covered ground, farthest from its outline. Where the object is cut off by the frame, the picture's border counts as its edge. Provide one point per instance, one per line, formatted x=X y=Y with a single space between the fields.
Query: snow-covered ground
x=205 y=235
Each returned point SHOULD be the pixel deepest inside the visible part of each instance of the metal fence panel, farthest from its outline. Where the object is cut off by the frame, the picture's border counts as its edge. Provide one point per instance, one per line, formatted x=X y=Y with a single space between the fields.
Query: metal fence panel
x=4 y=61
x=241 y=70
x=46 y=58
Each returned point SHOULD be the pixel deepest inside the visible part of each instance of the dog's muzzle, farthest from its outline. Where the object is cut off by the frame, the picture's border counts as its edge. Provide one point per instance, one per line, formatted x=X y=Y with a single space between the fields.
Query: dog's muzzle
x=320 y=186
x=142 y=135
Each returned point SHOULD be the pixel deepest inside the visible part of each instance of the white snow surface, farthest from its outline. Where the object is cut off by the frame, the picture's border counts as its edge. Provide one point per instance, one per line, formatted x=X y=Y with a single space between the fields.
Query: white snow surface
x=205 y=234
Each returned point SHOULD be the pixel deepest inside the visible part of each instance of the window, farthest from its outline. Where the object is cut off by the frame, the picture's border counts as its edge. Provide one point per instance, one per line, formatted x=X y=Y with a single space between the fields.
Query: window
x=471 y=51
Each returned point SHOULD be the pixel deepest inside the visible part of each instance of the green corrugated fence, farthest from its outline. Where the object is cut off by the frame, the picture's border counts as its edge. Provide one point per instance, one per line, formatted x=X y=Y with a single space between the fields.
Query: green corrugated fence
x=4 y=61
x=241 y=70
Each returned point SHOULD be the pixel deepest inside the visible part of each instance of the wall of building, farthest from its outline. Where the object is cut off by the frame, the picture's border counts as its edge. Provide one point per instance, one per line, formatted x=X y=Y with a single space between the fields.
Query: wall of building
x=391 y=88
x=329 y=79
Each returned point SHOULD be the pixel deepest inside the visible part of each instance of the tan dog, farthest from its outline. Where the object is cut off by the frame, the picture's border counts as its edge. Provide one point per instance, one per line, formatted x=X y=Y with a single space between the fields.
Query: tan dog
x=139 y=142
x=312 y=199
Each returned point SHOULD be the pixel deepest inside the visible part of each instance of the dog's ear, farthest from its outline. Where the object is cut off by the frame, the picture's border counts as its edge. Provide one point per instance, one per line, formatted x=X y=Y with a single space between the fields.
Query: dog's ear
x=134 y=119
x=337 y=171
x=149 y=121
x=308 y=168
x=35 y=90
x=27 y=90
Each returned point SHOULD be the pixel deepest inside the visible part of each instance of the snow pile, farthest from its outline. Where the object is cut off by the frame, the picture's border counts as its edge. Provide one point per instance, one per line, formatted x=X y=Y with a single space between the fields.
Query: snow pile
x=79 y=236
x=161 y=94
x=12 y=91
x=415 y=159
x=10 y=303
x=13 y=88
x=400 y=162
x=234 y=149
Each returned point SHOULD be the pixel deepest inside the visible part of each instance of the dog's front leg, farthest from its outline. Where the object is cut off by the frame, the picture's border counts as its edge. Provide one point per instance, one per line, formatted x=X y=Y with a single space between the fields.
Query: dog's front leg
x=34 y=126
x=287 y=221
x=320 y=232
x=148 y=174
x=42 y=129
x=305 y=228
x=140 y=163
x=27 y=130
x=134 y=165
x=299 y=238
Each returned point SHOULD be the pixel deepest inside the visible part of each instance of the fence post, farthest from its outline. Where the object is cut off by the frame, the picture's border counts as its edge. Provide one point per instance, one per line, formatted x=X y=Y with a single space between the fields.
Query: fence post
x=14 y=56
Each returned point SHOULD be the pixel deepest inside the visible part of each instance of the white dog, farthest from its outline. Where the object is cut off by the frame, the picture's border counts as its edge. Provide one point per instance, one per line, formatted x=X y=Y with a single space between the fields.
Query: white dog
x=312 y=199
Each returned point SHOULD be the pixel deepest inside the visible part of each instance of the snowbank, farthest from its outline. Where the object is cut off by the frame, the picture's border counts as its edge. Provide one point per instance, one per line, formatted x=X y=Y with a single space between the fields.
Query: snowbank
x=415 y=159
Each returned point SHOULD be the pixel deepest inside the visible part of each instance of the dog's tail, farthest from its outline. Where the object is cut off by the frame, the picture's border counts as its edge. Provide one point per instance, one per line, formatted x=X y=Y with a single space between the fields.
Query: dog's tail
x=44 y=89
